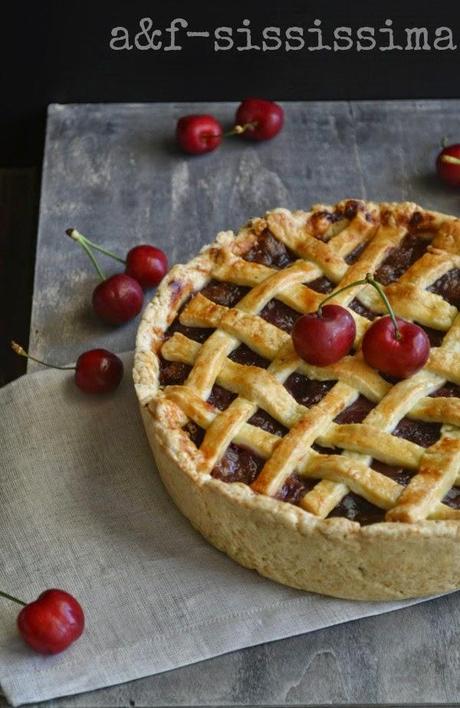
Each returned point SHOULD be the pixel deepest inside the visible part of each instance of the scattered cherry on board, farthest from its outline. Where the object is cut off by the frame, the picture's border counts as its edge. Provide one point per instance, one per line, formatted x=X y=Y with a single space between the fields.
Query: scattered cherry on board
x=117 y=299
x=392 y=345
x=448 y=165
x=52 y=622
x=96 y=370
x=198 y=134
x=146 y=264
x=255 y=119
x=259 y=119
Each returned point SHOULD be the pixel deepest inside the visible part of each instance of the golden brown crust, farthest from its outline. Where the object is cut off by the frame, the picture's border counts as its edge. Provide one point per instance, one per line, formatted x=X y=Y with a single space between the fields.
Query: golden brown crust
x=416 y=551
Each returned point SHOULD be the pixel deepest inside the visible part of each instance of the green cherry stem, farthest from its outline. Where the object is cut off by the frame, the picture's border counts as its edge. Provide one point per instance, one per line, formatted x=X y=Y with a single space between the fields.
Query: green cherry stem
x=368 y=280
x=337 y=292
x=22 y=352
x=84 y=243
x=14 y=599
x=77 y=236
x=378 y=287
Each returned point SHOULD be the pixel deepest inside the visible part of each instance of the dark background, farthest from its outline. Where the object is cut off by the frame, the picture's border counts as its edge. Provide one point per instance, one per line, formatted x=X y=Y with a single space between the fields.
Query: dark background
x=58 y=51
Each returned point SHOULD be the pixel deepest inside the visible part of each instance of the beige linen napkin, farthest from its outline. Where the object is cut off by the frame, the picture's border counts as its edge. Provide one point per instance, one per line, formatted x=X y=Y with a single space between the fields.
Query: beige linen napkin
x=83 y=509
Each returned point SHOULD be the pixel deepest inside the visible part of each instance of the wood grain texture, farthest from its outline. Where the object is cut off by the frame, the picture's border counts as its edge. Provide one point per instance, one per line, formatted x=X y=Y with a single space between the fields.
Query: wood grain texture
x=113 y=172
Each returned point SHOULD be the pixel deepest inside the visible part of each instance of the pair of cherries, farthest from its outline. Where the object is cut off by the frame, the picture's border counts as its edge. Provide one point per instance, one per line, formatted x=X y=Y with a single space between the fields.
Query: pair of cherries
x=392 y=345
x=255 y=119
x=116 y=300
x=120 y=297
x=50 y=623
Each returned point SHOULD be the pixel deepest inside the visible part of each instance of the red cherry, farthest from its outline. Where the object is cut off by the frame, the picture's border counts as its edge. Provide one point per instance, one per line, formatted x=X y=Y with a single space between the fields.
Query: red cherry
x=52 y=622
x=98 y=371
x=448 y=165
x=392 y=356
x=118 y=299
x=197 y=134
x=147 y=265
x=262 y=119
x=323 y=339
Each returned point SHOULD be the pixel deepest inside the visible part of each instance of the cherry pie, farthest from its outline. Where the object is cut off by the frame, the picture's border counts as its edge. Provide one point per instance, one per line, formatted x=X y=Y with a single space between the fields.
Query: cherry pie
x=332 y=479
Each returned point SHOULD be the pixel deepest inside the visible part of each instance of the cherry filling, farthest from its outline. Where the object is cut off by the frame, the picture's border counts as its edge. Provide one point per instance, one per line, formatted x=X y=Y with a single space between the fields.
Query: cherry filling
x=452 y=498
x=362 y=310
x=418 y=431
x=198 y=334
x=434 y=335
x=351 y=208
x=173 y=373
x=400 y=258
x=244 y=355
x=195 y=433
x=306 y=391
x=224 y=293
x=270 y=252
x=355 y=508
x=239 y=463
x=356 y=412
x=398 y=474
x=321 y=285
x=280 y=315
x=221 y=397
x=448 y=286
x=294 y=488
x=321 y=221
x=265 y=421
x=424 y=434
x=447 y=390
x=355 y=253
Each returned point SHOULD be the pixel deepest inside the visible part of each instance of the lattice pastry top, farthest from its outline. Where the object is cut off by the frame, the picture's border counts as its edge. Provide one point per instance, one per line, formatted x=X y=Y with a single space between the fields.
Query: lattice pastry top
x=217 y=372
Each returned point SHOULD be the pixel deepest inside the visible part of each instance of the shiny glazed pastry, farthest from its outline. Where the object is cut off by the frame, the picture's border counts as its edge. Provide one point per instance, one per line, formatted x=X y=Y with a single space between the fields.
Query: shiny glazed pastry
x=331 y=479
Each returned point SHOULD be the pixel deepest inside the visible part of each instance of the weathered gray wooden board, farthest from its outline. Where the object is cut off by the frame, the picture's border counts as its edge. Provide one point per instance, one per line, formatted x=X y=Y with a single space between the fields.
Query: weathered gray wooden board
x=113 y=172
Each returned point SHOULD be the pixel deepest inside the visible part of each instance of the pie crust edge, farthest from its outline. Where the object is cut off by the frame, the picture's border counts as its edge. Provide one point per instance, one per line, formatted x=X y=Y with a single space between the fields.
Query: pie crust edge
x=335 y=556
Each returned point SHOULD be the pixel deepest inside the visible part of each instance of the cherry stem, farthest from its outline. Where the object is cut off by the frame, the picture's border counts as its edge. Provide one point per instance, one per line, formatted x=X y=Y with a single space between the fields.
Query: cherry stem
x=238 y=129
x=77 y=236
x=382 y=294
x=450 y=159
x=368 y=280
x=22 y=352
x=73 y=233
x=11 y=597
x=337 y=292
